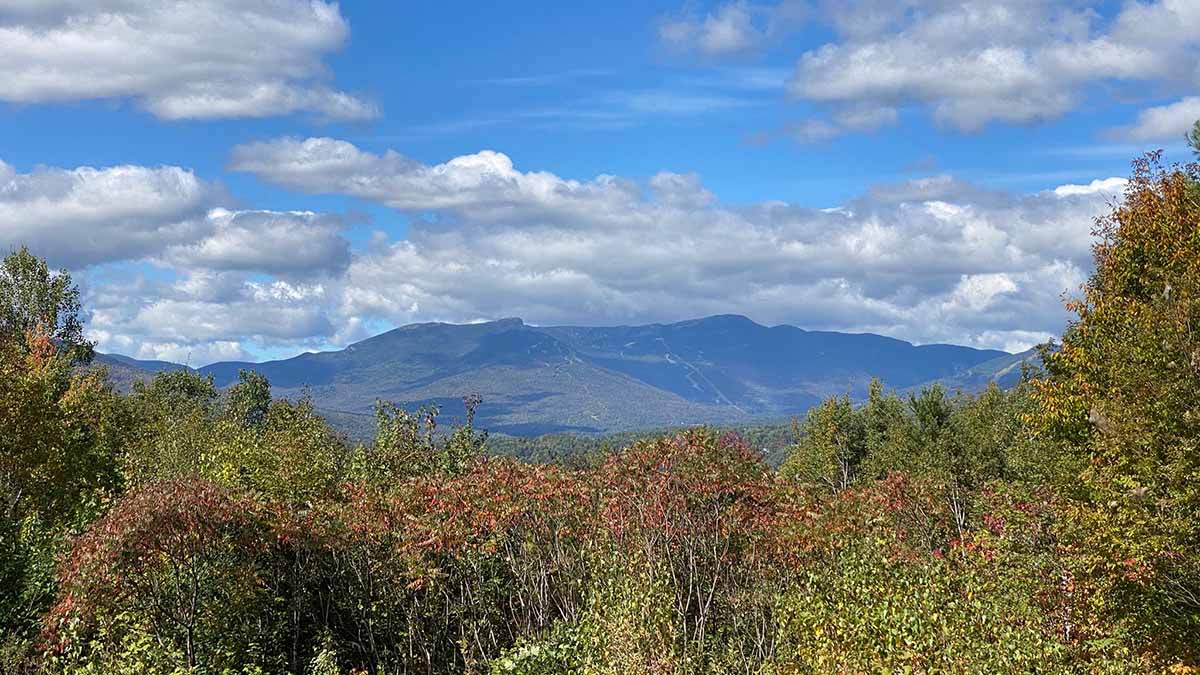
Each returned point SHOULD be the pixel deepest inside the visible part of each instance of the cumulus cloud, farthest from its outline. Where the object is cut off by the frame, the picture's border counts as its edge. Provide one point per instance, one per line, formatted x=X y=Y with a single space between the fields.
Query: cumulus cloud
x=1168 y=122
x=88 y=216
x=933 y=259
x=292 y=243
x=976 y=61
x=1098 y=186
x=483 y=185
x=207 y=315
x=203 y=59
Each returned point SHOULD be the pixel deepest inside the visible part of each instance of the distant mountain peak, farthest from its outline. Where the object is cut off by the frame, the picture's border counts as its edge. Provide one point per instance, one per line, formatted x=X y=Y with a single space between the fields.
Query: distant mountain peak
x=718 y=369
x=722 y=320
x=508 y=322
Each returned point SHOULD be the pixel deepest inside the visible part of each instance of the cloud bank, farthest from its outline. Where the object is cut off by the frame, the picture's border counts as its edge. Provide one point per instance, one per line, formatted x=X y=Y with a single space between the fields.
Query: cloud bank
x=929 y=260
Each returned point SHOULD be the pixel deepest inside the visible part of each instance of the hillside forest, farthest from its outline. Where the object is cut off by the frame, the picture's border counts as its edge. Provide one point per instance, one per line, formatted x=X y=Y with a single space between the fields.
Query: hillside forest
x=1049 y=527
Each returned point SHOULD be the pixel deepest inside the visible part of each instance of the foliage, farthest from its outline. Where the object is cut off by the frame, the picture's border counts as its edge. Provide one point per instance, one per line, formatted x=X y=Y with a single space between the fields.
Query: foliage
x=249 y=400
x=830 y=446
x=683 y=518
x=1123 y=397
x=408 y=444
x=61 y=432
x=963 y=442
x=175 y=561
x=32 y=299
x=580 y=451
x=884 y=584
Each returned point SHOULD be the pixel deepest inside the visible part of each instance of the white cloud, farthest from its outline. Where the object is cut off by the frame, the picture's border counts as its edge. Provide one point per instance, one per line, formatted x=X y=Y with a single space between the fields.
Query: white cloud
x=483 y=185
x=1168 y=122
x=975 y=61
x=932 y=259
x=731 y=28
x=977 y=292
x=293 y=243
x=87 y=216
x=202 y=59
x=201 y=321
x=1101 y=186
x=188 y=353
x=209 y=315
x=842 y=122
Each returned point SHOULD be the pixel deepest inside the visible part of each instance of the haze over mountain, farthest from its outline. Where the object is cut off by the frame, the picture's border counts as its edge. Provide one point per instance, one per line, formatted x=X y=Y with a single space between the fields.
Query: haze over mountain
x=543 y=379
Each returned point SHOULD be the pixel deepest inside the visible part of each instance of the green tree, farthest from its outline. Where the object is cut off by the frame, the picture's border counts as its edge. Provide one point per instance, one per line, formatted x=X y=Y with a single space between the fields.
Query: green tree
x=909 y=436
x=829 y=447
x=408 y=445
x=282 y=450
x=172 y=429
x=1123 y=396
x=32 y=298
x=932 y=410
x=172 y=391
x=292 y=456
x=1193 y=138
x=249 y=400
x=888 y=431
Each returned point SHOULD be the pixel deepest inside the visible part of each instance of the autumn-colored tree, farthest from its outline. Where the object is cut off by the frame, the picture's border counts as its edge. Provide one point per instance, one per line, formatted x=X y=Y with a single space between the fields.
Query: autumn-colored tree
x=61 y=430
x=60 y=433
x=175 y=561
x=1123 y=394
x=685 y=517
x=884 y=583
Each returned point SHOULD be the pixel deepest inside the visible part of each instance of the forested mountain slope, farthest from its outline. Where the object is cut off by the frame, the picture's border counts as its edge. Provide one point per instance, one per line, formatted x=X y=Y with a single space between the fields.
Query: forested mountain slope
x=534 y=380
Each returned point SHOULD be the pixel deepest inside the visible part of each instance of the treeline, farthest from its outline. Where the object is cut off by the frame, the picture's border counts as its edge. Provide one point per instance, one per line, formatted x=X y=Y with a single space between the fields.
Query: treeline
x=1049 y=528
x=580 y=450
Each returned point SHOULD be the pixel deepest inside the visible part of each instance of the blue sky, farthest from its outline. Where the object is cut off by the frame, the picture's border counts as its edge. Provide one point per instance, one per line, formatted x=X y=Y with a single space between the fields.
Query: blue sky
x=882 y=166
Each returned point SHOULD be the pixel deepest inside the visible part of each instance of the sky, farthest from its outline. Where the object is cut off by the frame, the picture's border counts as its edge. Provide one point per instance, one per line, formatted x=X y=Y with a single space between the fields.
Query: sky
x=242 y=179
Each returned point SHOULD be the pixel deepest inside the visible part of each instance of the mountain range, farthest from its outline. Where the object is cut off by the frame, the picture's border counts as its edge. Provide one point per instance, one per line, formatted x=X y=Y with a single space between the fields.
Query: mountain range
x=545 y=379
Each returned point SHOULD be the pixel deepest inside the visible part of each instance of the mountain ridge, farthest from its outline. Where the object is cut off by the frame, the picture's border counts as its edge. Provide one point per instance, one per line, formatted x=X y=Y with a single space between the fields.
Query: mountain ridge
x=723 y=369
